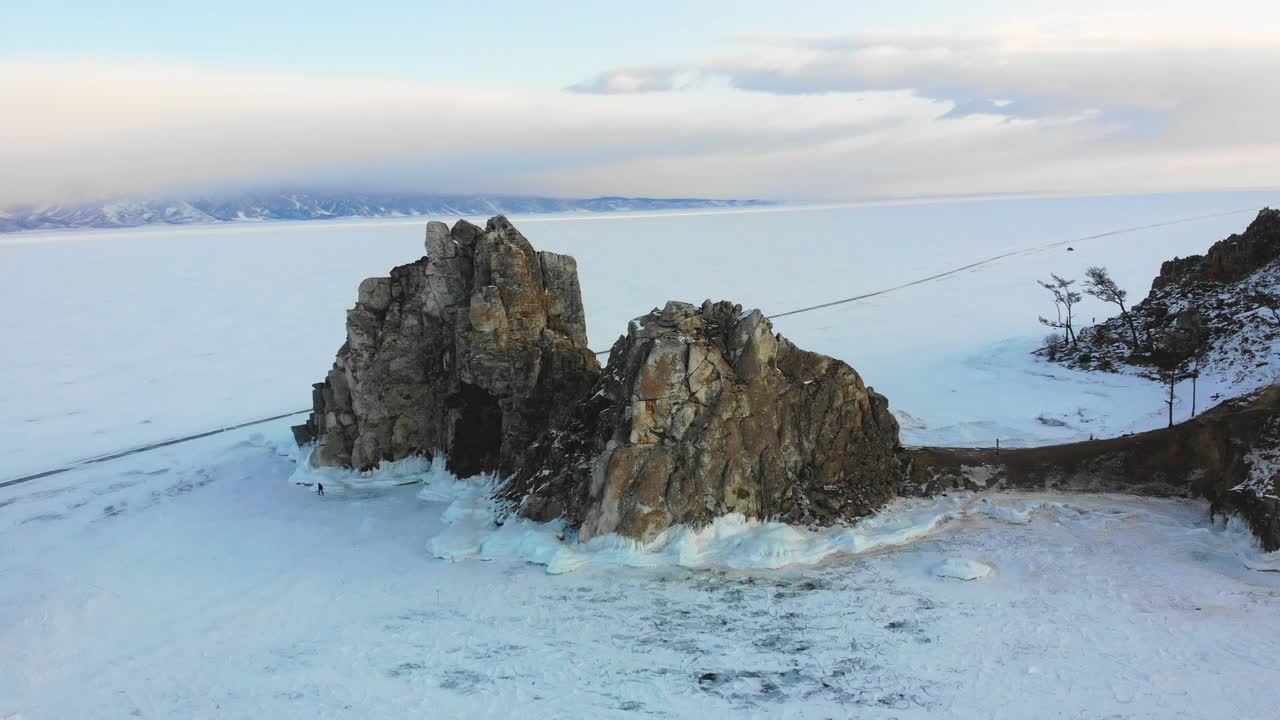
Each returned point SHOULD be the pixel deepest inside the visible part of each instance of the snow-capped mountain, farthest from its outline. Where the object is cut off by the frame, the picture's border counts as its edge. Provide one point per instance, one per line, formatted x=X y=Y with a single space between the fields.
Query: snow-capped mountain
x=315 y=206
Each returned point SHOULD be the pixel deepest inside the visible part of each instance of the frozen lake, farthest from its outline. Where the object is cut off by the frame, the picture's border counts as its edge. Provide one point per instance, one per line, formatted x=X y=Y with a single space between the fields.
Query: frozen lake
x=198 y=581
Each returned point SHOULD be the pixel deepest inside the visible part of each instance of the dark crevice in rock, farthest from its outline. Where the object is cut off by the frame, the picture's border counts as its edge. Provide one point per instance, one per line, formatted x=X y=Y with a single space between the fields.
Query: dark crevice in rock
x=477 y=431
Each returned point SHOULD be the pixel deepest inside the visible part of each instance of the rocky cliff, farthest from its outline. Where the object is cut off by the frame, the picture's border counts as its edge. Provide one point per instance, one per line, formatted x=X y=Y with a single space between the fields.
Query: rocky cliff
x=471 y=352
x=1227 y=261
x=704 y=411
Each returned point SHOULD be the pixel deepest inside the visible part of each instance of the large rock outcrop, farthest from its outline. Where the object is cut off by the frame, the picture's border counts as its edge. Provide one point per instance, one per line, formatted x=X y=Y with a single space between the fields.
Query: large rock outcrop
x=1227 y=261
x=470 y=351
x=703 y=411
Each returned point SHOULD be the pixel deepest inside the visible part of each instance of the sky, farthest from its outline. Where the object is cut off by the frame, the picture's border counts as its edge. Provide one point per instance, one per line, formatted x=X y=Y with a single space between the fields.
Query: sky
x=821 y=101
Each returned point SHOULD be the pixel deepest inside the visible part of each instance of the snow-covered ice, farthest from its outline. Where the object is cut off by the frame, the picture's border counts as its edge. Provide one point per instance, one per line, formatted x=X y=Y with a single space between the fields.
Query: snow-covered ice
x=198 y=581
x=962 y=569
x=201 y=580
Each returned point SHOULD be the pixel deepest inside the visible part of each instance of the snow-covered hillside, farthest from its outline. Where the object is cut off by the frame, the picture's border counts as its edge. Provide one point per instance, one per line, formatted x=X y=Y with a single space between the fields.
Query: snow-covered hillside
x=1215 y=316
x=200 y=580
x=254 y=207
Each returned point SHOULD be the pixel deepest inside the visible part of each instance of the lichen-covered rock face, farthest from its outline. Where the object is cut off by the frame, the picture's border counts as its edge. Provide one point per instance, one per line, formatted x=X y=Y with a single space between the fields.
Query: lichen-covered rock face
x=470 y=351
x=702 y=412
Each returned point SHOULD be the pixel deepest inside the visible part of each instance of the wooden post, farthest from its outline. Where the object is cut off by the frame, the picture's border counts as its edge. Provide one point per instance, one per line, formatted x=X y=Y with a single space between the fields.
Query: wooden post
x=1194 y=376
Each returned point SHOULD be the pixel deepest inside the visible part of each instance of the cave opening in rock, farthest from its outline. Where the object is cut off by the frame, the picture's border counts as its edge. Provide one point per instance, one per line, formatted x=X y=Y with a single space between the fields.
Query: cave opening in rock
x=477 y=433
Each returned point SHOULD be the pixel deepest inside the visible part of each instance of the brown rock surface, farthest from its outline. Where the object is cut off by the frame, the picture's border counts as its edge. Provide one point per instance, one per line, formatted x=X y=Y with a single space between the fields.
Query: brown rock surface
x=470 y=351
x=703 y=412
x=1229 y=260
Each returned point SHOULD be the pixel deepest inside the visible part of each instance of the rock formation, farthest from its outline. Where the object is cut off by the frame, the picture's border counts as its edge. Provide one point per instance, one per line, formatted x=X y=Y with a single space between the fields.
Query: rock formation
x=470 y=351
x=479 y=351
x=1229 y=260
x=703 y=411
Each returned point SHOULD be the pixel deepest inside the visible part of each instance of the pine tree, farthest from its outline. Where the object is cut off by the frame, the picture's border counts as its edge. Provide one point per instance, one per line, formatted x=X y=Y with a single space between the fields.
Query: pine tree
x=1099 y=283
x=1064 y=299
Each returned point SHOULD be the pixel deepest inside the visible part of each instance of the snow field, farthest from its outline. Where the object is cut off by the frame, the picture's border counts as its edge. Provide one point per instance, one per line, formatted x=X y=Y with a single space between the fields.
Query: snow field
x=199 y=581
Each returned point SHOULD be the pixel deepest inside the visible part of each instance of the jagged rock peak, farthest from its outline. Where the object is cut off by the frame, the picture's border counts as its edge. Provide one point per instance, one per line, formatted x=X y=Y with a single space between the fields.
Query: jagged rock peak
x=1229 y=260
x=704 y=411
x=469 y=351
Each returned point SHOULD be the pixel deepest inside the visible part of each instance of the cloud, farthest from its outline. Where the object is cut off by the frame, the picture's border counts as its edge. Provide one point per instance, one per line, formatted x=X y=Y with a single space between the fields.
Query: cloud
x=91 y=128
x=1045 y=107
x=1026 y=70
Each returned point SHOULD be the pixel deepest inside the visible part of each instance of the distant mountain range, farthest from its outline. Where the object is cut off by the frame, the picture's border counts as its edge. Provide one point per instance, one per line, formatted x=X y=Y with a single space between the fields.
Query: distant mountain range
x=256 y=207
